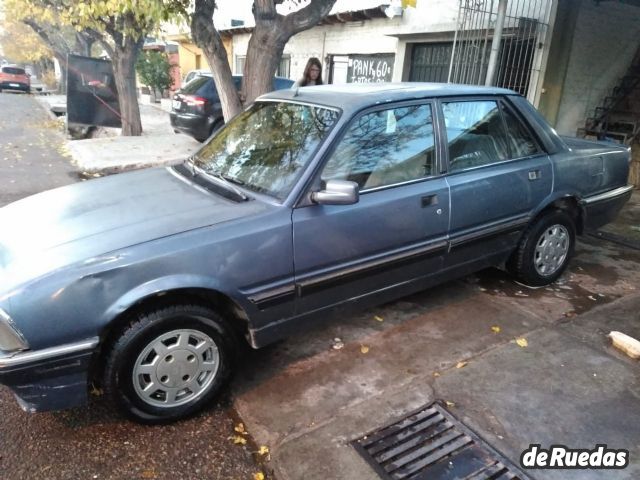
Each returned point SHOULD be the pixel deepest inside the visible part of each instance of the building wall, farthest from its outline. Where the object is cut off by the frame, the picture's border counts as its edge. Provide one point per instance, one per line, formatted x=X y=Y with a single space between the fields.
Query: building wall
x=369 y=37
x=607 y=35
x=340 y=39
x=189 y=53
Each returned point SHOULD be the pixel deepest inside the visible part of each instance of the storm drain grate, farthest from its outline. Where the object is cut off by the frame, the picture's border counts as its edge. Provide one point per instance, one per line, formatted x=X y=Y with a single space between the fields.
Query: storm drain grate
x=431 y=444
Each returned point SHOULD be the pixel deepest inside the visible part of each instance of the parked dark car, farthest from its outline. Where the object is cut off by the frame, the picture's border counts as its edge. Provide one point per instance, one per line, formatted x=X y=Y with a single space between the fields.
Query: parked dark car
x=195 y=73
x=14 y=78
x=196 y=108
x=309 y=202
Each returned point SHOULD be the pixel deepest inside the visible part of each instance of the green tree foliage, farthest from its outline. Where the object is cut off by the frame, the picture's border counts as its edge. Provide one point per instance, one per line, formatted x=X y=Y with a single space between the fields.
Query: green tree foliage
x=154 y=70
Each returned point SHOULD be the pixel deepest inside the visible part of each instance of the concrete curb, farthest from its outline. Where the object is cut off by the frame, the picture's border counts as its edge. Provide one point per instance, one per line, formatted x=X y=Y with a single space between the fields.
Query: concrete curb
x=46 y=107
x=106 y=156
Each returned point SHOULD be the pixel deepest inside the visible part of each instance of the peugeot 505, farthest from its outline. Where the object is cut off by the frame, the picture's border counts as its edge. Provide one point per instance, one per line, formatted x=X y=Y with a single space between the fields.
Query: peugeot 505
x=308 y=202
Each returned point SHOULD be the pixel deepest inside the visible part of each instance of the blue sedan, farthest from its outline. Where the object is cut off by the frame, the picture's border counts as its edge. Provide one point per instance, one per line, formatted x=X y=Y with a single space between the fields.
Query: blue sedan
x=332 y=196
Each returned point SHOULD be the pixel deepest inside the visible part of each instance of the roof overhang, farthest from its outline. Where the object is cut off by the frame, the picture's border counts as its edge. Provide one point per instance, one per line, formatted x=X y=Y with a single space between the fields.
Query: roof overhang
x=333 y=19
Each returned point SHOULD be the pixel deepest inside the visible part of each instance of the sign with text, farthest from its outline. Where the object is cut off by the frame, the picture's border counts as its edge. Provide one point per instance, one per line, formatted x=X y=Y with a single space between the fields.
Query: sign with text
x=370 y=68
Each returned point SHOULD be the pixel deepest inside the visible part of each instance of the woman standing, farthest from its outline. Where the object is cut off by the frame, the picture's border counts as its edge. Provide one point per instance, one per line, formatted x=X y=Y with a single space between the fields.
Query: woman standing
x=312 y=74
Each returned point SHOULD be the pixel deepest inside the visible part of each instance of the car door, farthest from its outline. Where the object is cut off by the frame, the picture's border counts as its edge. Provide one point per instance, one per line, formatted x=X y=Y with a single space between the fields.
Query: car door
x=397 y=230
x=498 y=174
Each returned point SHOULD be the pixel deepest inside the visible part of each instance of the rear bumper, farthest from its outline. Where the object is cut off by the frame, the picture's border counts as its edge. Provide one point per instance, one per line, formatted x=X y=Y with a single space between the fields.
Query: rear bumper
x=49 y=379
x=12 y=86
x=603 y=208
x=196 y=126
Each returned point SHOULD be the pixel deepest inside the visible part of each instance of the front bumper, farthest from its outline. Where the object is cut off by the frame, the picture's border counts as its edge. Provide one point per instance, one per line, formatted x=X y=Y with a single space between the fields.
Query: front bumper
x=603 y=208
x=50 y=379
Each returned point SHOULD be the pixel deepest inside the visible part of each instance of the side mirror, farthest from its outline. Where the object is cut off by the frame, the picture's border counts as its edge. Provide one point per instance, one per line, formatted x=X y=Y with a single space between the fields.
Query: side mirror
x=337 y=192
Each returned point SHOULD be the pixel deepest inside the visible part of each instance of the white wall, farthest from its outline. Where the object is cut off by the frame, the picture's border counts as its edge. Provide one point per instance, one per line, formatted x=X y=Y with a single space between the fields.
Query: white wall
x=368 y=37
x=339 y=39
x=606 y=38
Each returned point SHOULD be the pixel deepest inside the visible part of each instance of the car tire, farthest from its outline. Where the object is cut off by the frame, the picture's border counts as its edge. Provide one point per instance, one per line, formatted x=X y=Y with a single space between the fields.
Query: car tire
x=544 y=249
x=169 y=363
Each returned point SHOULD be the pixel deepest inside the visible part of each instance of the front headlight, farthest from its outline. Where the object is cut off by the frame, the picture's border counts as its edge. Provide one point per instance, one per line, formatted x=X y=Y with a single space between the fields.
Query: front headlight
x=10 y=337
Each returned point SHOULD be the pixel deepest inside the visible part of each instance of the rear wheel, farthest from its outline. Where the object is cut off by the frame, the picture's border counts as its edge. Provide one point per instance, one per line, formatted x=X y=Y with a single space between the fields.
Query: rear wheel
x=169 y=363
x=544 y=250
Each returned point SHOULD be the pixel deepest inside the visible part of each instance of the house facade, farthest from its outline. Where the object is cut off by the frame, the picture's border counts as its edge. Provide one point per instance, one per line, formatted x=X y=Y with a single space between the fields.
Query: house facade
x=564 y=56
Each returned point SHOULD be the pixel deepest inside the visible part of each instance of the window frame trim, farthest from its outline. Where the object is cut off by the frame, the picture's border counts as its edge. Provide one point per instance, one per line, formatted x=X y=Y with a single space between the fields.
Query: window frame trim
x=382 y=107
x=499 y=99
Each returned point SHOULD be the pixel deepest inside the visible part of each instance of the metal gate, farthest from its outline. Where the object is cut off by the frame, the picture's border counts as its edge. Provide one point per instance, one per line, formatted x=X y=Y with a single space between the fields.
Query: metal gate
x=520 y=59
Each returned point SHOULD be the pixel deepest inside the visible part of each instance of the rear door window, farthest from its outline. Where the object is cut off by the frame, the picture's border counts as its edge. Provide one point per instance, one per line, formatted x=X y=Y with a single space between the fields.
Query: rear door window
x=475 y=133
x=521 y=142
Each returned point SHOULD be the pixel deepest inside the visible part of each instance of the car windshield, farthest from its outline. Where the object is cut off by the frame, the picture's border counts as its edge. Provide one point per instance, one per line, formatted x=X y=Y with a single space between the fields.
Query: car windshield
x=265 y=148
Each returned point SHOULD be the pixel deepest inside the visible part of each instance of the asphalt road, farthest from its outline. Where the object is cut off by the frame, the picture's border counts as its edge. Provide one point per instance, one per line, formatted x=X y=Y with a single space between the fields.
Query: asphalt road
x=93 y=442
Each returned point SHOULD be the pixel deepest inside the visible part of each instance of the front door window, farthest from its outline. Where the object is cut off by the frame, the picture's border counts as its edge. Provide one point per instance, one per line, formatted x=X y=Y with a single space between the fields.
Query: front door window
x=385 y=147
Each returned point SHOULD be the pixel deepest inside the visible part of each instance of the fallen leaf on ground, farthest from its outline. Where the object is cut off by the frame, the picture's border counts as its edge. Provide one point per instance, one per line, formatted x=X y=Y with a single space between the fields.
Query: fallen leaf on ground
x=570 y=314
x=450 y=404
x=240 y=428
x=379 y=319
x=461 y=364
x=337 y=344
x=522 y=342
x=258 y=476
x=263 y=450
x=238 y=440
x=148 y=474
x=364 y=349
x=495 y=329
x=436 y=374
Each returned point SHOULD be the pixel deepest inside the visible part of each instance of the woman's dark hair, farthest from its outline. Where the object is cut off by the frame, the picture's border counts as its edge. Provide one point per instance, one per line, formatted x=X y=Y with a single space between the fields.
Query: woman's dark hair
x=312 y=62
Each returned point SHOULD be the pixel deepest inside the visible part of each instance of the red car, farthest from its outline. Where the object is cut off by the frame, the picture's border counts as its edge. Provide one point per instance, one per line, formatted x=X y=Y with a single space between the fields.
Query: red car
x=14 y=78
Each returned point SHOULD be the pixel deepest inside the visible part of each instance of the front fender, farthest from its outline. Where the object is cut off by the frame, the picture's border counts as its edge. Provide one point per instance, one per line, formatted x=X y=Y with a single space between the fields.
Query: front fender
x=166 y=284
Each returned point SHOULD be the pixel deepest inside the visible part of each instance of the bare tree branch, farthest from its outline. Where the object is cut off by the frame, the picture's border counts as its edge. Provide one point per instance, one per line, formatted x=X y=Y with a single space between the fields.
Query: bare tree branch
x=307 y=17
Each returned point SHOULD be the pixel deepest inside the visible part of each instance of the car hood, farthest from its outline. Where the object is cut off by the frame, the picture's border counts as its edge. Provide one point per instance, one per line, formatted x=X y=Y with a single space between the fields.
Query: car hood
x=74 y=223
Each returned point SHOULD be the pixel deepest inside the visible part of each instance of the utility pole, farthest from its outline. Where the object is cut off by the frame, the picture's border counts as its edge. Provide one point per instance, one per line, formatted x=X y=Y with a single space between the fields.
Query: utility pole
x=495 y=44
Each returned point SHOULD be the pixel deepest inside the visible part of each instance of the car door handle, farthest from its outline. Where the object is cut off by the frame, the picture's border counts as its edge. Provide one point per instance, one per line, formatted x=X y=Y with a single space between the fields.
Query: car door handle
x=534 y=175
x=428 y=200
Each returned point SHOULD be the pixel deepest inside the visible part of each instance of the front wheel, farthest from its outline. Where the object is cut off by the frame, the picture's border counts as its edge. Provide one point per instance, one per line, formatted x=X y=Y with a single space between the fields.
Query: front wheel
x=169 y=363
x=544 y=249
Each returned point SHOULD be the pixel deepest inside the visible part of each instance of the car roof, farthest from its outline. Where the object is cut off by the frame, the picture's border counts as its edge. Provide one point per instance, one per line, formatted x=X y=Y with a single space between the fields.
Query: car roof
x=360 y=95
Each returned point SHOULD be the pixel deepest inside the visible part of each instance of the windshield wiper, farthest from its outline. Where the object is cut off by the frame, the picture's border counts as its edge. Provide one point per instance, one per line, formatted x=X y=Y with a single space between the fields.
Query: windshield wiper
x=222 y=179
x=231 y=179
x=191 y=161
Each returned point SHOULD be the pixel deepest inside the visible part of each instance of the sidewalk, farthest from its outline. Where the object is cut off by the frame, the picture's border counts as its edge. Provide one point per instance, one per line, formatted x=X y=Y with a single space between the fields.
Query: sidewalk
x=158 y=145
x=307 y=401
x=567 y=387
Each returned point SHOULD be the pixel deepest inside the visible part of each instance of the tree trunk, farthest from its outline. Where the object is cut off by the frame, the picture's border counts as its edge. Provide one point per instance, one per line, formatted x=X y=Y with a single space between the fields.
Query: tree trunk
x=223 y=78
x=62 y=62
x=83 y=44
x=208 y=39
x=124 y=61
x=263 y=56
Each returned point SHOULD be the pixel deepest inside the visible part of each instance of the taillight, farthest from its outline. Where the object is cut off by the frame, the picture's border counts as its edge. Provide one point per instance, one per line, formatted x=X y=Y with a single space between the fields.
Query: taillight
x=194 y=101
